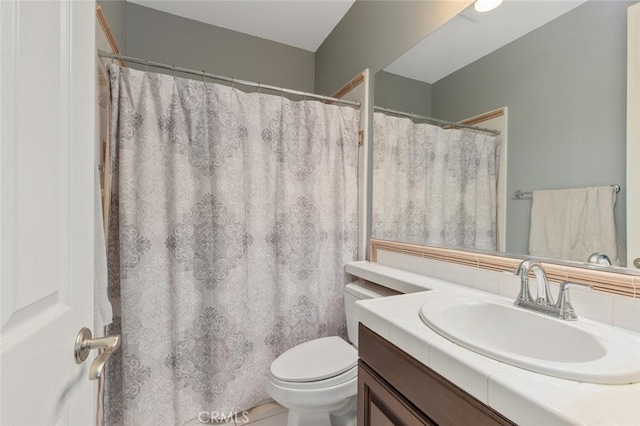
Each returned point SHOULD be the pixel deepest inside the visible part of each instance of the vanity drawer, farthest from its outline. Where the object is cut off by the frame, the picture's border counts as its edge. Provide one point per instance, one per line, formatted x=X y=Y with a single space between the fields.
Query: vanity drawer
x=431 y=398
x=381 y=405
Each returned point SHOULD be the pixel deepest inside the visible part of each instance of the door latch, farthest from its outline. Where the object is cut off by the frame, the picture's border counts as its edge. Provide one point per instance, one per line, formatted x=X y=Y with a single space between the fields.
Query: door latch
x=84 y=345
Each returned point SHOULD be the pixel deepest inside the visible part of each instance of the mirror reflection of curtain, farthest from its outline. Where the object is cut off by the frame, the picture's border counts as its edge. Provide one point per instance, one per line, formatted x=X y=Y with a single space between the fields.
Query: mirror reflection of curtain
x=233 y=216
x=433 y=185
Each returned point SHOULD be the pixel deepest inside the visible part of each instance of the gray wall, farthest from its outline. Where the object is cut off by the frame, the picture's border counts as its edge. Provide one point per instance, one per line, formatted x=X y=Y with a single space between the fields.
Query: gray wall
x=401 y=93
x=565 y=87
x=171 y=39
x=115 y=11
x=373 y=34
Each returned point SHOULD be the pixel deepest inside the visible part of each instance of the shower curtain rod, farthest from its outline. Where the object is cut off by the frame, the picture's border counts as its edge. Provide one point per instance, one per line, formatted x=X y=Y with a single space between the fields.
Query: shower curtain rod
x=435 y=120
x=231 y=80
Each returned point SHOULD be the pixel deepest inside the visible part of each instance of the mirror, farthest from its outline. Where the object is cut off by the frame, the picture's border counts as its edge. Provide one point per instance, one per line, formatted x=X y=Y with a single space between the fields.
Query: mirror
x=564 y=84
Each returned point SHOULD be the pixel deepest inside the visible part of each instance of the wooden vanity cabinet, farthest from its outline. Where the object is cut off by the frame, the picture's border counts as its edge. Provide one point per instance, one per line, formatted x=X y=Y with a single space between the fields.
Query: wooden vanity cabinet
x=396 y=389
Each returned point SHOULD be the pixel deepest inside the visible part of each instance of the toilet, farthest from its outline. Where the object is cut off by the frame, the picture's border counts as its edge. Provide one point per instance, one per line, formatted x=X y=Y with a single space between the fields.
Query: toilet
x=318 y=380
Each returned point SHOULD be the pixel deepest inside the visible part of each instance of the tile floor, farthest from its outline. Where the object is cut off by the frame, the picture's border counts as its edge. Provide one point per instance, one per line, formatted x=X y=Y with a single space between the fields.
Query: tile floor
x=267 y=413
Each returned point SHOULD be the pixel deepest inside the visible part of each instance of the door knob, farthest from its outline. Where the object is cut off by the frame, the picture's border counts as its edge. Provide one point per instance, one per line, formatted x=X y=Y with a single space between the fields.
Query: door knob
x=84 y=345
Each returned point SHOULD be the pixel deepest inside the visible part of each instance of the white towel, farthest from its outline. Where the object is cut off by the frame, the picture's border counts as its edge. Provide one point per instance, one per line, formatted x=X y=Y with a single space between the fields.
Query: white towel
x=571 y=224
x=103 y=312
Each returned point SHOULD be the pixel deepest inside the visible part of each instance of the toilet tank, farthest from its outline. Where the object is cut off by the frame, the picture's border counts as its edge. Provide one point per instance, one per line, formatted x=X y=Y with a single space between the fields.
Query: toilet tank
x=360 y=290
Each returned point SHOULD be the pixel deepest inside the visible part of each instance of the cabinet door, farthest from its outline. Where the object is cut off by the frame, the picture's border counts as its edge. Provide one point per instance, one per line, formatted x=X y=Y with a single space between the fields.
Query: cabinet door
x=381 y=405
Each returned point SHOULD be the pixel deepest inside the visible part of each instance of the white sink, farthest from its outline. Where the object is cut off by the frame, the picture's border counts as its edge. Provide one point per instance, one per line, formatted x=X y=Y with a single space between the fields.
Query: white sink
x=580 y=350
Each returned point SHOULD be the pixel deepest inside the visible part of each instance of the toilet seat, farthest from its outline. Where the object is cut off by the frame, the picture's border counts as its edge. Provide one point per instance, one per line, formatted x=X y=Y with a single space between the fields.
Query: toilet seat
x=318 y=363
x=345 y=377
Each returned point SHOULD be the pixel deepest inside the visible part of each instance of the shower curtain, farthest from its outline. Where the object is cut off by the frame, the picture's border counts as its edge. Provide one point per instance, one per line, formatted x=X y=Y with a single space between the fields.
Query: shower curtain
x=233 y=216
x=433 y=185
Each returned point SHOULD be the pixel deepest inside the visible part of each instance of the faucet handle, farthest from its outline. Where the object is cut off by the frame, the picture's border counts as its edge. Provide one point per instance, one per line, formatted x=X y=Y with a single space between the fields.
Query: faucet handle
x=522 y=271
x=564 y=302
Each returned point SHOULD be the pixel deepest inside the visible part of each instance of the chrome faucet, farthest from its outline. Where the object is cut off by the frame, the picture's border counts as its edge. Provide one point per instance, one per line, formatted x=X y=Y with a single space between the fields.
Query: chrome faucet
x=543 y=295
x=598 y=258
x=544 y=300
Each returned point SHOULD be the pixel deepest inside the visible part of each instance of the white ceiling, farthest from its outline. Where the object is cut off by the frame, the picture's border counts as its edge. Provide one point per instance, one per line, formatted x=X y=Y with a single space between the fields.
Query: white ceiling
x=299 y=23
x=306 y=23
x=472 y=35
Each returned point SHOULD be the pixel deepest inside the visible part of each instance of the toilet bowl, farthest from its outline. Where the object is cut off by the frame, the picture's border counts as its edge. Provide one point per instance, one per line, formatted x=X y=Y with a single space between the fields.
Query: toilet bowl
x=317 y=380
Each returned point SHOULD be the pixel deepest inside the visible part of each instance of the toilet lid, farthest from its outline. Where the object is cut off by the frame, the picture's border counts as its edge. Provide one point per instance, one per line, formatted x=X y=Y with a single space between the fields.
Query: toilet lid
x=315 y=360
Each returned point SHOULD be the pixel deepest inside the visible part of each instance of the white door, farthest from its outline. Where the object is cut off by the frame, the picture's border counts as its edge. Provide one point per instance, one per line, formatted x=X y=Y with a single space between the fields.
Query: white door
x=633 y=137
x=46 y=210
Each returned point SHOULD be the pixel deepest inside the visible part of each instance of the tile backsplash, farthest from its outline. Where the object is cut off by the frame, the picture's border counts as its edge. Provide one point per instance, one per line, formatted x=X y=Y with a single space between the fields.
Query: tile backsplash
x=618 y=310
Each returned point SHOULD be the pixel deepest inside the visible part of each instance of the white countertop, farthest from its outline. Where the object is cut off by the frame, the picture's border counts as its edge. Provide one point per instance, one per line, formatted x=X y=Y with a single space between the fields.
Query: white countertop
x=396 y=279
x=525 y=397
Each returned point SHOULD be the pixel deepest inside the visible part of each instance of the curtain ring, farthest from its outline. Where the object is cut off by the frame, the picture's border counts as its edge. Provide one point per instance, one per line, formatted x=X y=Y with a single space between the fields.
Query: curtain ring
x=146 y=69
x=305 y=96
x=259 y=88
x=174 y=70
x=233 y=83
x=203 y=74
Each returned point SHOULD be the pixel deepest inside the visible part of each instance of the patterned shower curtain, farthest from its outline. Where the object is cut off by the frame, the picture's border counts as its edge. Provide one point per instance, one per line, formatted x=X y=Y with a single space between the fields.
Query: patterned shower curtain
x=433 y=185
x=233 y=216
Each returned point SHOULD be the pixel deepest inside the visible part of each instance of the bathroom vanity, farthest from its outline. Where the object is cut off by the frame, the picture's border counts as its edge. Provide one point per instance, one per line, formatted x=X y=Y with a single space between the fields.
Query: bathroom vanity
x=395 y=388
x=410 y=374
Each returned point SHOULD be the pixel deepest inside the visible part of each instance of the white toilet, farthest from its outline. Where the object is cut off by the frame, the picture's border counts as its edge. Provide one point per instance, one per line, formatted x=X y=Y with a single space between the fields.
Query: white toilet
x=317 y=380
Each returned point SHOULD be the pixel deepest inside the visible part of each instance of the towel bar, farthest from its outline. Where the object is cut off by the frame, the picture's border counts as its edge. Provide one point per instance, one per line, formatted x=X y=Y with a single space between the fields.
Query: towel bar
x=522 y=194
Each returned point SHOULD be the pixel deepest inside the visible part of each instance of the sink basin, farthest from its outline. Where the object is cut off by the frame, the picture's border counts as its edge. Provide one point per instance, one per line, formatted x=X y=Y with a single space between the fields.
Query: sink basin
x=580 y=350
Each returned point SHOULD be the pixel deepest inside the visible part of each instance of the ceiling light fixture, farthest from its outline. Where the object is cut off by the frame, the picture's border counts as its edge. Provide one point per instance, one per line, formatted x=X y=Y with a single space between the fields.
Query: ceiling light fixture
x=486 y=5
